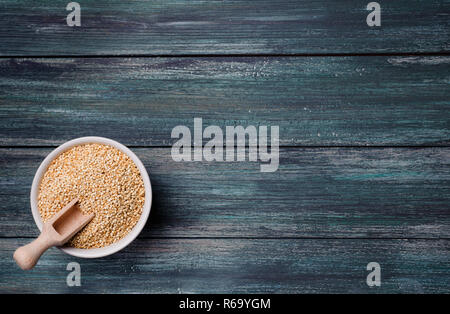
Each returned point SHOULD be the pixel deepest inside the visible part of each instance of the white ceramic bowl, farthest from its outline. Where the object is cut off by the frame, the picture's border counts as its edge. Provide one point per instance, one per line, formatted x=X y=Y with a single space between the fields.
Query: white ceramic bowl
x=117 y=246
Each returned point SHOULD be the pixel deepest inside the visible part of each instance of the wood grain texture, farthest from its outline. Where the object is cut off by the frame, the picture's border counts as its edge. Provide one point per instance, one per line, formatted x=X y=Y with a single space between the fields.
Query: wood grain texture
x=313 y=225
x=222 y=27
x=328 y=192
x=239 y=266
x=315 y=101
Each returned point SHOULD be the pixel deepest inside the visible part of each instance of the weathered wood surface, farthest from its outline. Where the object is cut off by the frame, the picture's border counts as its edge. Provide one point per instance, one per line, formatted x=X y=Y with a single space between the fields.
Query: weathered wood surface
x=240 y=266
x=315 y=101
x=328 y=192
x=313 y=225
x=222 y=27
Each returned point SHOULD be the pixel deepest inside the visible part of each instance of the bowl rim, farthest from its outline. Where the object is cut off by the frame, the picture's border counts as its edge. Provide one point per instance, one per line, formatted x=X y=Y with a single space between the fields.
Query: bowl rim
x=122 y=243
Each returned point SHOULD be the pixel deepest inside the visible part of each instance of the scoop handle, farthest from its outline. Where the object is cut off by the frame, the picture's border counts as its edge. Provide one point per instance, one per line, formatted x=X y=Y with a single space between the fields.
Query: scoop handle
x=27 y=256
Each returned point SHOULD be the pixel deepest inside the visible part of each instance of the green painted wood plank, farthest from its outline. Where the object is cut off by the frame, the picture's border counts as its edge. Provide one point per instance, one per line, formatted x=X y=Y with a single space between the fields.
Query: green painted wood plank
x=239 y=266
x=314 y=101
x=178 y=27
x=317 y=192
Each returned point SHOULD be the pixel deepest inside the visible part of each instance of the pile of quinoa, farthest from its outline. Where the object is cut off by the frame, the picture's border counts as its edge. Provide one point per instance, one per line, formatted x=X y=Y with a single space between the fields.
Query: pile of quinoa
x=105 y=181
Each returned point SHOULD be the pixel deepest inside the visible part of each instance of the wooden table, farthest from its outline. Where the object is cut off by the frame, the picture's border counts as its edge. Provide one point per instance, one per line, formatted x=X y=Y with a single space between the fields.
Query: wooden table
x=364 y=118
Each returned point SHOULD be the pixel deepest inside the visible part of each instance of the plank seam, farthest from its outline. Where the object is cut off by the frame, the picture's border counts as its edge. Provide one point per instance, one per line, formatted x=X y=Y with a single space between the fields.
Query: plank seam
x=269 y=146
x=261 y=238
x=237 y=55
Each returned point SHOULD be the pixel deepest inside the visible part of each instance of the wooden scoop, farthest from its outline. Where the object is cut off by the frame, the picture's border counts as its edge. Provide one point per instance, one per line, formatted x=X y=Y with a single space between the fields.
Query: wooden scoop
x=55 y=232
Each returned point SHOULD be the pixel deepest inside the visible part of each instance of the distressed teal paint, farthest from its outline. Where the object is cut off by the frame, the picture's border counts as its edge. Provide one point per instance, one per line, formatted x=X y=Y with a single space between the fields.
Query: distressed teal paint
x=313 y=225
x=315 y=193
x=222 y=27
x=314 y=101
x=240 y=266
